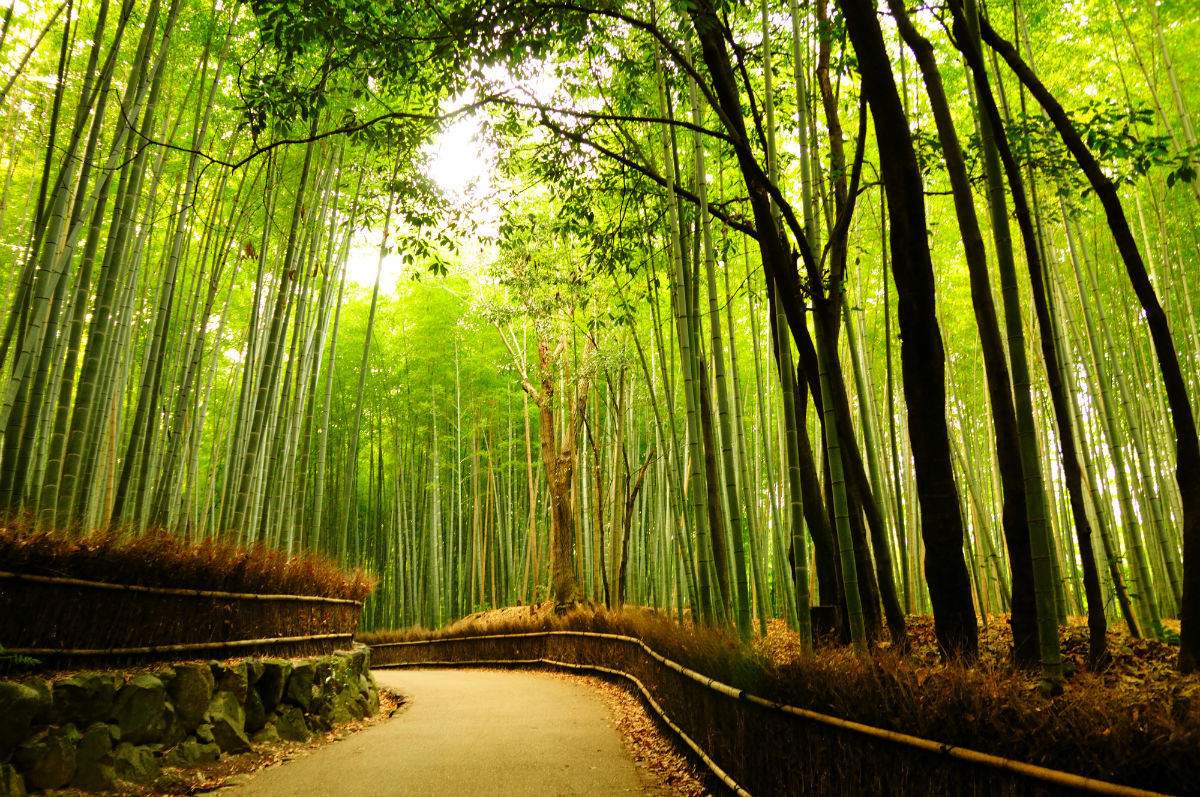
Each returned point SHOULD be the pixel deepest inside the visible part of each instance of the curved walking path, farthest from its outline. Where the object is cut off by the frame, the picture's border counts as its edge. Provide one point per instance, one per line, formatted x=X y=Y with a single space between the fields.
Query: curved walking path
x=470 y=733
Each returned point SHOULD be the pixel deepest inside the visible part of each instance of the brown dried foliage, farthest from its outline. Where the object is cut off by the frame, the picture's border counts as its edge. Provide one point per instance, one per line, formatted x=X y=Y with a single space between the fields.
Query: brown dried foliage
x=712 y=651
x=159 y=559
x=1136 y=723
x=650 y=750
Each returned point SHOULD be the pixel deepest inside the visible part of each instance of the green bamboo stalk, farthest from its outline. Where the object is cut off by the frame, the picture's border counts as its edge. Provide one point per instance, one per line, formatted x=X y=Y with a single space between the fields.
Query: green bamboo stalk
x=741 y=597
x=705 y=607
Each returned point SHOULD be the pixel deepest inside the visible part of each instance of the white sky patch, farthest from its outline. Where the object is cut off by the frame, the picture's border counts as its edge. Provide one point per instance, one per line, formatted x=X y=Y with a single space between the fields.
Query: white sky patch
x=463 y=164
x=460 y=161
x=21 y=8
x=26 y=23
x=363 y=260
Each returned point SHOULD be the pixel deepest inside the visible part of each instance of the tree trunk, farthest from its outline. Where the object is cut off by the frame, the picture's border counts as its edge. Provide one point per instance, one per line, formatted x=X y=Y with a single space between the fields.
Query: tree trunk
x=1187 y=444
x=1013 y=517
x=921 y=352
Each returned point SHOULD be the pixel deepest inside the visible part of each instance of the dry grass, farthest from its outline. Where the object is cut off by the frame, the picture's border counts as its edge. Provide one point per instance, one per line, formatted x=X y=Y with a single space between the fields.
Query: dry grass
x=159 y=559
x=712 y=651
x=1137 y=722
x=48 y=616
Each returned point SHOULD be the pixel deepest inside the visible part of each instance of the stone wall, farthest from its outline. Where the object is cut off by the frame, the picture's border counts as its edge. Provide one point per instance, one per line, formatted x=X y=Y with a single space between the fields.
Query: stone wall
x=95 y=730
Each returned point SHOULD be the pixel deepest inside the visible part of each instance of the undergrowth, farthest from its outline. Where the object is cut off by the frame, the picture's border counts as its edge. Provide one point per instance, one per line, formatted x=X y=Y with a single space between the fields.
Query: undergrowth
x=708 y=650
x=159 y=559
x=1136 y=723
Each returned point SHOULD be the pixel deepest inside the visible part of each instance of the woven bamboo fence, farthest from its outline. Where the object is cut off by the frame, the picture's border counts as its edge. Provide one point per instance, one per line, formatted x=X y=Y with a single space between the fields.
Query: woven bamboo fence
x=74 y=622
x=756 y=746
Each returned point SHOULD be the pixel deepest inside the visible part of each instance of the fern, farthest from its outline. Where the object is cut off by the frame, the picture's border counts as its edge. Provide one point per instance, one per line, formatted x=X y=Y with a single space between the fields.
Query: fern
x=16 y=661
x=1170 y=636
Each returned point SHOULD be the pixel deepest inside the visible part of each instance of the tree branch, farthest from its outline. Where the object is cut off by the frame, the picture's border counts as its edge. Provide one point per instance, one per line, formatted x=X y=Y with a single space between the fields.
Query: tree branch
x=649 y=172
x=344 y=129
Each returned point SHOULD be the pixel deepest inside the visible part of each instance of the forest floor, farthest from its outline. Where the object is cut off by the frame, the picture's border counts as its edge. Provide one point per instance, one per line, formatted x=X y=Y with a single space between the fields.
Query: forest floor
x=1144 y=664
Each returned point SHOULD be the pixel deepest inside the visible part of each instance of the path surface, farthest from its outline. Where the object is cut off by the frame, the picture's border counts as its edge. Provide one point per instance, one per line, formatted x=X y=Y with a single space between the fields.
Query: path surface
x=470 y=733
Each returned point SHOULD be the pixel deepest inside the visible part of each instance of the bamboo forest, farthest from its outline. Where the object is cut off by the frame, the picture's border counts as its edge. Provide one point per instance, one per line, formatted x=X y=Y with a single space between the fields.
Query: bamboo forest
x=744 y=312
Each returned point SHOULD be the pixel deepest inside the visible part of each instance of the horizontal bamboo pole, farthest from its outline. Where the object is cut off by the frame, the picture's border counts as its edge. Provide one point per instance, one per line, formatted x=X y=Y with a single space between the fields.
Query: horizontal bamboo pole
x=237 y=643
x=195 y=593
x=1031 y=771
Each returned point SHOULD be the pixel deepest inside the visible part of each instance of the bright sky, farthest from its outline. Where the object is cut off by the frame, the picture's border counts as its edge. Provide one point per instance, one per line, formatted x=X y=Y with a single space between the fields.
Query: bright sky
x=461 y=163
x=459 y=158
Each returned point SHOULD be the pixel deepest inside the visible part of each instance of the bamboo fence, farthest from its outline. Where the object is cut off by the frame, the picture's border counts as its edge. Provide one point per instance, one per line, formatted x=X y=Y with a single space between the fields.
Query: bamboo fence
x=754 y=745
x=69 y=620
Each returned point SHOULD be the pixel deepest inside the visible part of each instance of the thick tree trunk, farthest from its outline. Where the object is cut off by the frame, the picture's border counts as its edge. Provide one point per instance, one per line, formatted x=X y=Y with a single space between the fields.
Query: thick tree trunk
x=829 y=582
x=716 y=516
x=1069 y=447
x=1008 y=458
x=995 y=150
x=921 y=352
x=559 y=458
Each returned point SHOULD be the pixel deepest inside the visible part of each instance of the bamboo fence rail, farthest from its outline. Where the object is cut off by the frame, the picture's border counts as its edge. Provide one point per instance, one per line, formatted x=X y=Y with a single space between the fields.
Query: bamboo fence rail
x=1018 y=777
x=199 y=646
x=199 y=593
x=60 y=619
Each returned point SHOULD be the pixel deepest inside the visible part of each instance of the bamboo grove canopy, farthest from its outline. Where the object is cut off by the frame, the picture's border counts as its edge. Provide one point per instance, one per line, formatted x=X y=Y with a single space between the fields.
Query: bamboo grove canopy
x=758 y=307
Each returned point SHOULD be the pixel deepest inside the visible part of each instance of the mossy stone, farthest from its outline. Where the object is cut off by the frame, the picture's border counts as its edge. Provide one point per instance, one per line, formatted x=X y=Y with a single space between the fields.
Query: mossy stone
x=190 y=691
x=358 y=660
x=256 y=714
x=94 y=760
x=140 y=710
x=299 y=690
x=371 y=692
x=228 y=720
x=204 y=733
x=85 y=698
x=11 y=782
x=268 y=734
x=254 y=670
x=19 y=704
x=232 y=678
x=272 y=682
x=135 y=764
x=325 y=667
x=45 y=692
x=192 y=753
x=337 y=713
x=48 y=759
x=291 y=725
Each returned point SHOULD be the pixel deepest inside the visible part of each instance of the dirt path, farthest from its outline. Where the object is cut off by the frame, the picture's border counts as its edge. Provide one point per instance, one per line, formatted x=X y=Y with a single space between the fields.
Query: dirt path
x=470 y=732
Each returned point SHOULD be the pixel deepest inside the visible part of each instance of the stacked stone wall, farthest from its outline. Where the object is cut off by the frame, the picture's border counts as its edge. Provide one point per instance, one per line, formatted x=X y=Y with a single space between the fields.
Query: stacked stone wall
x=96 y=731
